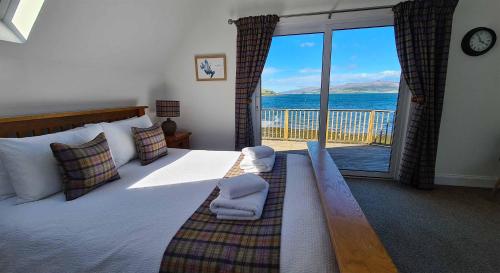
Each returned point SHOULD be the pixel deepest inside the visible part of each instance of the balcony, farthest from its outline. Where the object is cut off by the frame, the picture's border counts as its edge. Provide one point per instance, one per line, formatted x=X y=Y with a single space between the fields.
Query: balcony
x=357 y=139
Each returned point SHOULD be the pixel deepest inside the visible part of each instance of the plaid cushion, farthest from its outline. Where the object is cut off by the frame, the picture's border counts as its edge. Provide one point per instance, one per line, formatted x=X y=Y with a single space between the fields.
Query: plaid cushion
x=85 y=167
x=150 y=143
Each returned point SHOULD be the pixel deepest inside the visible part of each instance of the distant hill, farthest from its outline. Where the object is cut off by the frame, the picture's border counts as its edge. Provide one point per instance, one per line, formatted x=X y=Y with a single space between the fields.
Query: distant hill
x=305 y=90
x=268 y=92
x=351 y=88
x=367 y=87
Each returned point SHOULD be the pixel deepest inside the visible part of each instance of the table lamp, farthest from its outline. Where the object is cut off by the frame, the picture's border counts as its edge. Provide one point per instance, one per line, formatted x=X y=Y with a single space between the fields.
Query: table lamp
x=168 y=109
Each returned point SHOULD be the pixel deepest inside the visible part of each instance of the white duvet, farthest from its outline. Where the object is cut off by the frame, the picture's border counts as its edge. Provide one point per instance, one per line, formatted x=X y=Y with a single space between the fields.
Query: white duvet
x=126 y=225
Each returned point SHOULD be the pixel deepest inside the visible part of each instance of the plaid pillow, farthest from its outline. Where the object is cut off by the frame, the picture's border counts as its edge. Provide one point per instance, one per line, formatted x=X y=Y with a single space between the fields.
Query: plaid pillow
x=150 y=143
x=85 y=167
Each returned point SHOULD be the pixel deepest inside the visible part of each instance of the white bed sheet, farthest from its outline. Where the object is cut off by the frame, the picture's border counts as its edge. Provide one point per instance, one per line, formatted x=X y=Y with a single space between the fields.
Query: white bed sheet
x=126 y=225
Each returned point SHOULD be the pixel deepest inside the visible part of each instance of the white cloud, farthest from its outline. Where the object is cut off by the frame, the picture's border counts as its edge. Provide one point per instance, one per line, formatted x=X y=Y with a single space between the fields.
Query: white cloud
x=287 y=81
x=301 y=81
x=314 y=79
x=307 y=44
x=307 y=70
x=365 y=77
x=270 y=71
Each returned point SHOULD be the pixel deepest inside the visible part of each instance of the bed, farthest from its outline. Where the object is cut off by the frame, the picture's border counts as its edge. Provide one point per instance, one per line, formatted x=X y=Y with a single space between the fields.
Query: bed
x=126 y=225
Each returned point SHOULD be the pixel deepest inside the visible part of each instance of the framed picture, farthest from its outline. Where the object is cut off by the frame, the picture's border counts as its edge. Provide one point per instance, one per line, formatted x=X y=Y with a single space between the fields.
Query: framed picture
x=210 y=67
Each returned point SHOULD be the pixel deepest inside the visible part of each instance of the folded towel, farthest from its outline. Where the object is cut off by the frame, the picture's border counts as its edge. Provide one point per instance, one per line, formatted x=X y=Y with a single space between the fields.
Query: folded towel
x=258 y=152
x=258 y=165
x=244 y=208
x=241 y=185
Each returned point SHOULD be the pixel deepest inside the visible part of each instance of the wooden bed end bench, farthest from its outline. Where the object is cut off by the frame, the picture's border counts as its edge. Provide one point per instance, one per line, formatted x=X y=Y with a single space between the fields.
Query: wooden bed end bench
x=357 y=247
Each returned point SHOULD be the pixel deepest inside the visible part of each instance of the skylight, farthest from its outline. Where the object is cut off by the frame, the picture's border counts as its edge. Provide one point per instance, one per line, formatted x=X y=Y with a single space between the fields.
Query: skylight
x=17 y=18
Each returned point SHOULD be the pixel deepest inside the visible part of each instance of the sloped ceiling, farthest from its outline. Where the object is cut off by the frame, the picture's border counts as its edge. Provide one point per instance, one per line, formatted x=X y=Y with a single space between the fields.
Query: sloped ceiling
x=115 y=34
x=135 y=35
x=102 y=53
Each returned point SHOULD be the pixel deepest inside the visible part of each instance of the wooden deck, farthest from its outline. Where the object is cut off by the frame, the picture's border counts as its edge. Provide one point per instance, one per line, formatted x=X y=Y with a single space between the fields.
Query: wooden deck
x=357 y=157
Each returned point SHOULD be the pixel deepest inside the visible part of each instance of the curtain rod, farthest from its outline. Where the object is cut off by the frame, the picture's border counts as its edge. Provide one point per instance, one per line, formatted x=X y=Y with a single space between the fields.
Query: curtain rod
x=330 y=12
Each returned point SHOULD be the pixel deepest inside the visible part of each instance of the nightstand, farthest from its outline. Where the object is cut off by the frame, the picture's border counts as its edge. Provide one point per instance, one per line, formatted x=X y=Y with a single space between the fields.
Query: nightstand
x=178 y=140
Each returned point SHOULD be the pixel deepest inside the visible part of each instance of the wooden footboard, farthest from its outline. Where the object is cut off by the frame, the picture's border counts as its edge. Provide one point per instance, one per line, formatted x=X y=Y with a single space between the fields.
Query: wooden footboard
x=357 y=247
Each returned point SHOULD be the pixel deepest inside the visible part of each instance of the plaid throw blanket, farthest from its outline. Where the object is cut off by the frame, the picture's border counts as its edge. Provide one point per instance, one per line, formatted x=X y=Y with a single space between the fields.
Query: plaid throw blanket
x=205 y=244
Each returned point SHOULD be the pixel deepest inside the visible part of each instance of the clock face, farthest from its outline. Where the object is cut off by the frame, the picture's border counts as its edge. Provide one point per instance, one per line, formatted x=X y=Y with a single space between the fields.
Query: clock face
x=481 y=40
x=478 y=41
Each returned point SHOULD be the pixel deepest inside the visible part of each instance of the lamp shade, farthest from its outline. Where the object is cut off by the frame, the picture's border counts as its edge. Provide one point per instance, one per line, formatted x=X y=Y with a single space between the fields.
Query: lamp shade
x=167 y=108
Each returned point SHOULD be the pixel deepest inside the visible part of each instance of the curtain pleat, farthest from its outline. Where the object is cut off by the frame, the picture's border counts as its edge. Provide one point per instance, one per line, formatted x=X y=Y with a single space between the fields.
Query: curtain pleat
x=423 y=31
x=253 y=42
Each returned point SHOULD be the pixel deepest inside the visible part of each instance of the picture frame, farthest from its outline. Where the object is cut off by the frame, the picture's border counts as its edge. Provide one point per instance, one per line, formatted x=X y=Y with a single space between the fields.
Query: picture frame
x=211 y=67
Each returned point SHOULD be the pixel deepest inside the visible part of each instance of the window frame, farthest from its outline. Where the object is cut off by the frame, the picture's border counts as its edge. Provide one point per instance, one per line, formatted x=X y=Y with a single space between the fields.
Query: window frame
x=344 y=21
x=8 y=30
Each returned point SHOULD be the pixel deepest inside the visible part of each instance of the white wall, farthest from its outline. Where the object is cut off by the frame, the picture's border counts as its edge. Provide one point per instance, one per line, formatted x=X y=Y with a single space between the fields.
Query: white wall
x=107 y=53
x=91 y=54
x=469 y=145
x=207 y=108
x=470 y=131
x=104 y=53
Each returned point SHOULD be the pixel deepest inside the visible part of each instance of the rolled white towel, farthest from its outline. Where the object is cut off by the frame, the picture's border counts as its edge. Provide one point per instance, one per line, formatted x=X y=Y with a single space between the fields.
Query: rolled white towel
x=241 y=185
x=248 y=207
x=258 y=165
x=258 y=152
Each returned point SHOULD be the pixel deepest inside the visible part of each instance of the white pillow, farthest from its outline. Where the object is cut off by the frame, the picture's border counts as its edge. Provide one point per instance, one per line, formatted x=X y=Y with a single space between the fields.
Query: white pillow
x=31 y=166
x=6 y=189
x=120 y=138
x=139 y=122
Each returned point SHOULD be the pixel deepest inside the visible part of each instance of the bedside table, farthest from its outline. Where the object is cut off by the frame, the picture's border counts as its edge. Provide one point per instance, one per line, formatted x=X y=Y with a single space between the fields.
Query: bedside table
x=178 y=140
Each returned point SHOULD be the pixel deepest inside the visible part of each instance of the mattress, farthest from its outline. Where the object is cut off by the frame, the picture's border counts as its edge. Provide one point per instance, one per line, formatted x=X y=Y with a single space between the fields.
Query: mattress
x=126 y=225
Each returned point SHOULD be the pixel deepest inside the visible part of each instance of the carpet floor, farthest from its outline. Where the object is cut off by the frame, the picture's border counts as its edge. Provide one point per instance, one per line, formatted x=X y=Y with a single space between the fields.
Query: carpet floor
x=448 y=229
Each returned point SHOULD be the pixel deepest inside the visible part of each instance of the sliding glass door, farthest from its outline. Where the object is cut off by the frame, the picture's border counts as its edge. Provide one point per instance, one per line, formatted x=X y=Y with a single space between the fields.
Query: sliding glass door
x=338 y=85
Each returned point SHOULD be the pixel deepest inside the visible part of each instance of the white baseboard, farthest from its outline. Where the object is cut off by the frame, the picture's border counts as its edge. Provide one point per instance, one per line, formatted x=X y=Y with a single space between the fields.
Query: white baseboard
x=476 y=181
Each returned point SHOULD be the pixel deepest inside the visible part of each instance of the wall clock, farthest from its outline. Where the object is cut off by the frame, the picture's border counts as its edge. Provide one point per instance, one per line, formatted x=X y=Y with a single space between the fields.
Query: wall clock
x=478 y=41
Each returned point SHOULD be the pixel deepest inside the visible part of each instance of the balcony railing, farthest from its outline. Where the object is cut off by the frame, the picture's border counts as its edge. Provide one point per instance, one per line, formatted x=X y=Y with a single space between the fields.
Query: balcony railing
x=346 y=126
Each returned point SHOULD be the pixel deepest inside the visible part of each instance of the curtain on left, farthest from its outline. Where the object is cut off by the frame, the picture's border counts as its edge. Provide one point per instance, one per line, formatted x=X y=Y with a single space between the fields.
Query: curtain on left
x=253 y=42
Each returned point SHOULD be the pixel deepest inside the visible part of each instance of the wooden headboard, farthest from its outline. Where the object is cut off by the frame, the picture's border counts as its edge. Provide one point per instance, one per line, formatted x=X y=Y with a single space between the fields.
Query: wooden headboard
x=35 y=125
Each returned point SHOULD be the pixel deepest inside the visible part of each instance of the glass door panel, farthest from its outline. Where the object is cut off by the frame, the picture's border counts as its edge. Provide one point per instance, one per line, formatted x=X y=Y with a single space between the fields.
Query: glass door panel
x=364 y=84
x=290 y=92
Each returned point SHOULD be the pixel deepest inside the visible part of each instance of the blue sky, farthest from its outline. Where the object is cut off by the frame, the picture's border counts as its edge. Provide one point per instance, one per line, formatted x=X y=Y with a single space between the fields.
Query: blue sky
x=359 y=55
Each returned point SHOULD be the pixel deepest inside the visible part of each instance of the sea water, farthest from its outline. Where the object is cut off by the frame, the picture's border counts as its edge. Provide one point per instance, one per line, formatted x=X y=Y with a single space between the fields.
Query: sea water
x=364 y=101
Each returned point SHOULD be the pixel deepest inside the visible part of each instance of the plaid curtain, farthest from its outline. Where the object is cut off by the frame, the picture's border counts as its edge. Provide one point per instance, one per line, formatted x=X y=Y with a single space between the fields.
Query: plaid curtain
x=423 y=30
x=253 y=43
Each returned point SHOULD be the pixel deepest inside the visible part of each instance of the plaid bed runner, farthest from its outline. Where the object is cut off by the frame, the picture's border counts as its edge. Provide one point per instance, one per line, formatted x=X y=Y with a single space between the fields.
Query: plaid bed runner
x=204 y=244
